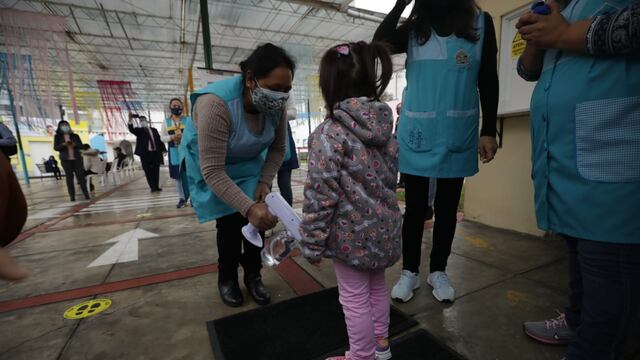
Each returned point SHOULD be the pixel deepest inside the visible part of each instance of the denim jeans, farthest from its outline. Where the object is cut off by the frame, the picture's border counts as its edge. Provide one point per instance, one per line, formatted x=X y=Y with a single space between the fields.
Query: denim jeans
x=604 y=300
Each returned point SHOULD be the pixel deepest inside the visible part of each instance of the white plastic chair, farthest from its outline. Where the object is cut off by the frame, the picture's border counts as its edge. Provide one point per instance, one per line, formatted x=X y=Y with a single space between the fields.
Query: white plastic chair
x=102 y=174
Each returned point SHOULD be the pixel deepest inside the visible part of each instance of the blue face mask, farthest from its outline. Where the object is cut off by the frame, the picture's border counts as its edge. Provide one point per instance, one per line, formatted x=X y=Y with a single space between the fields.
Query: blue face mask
x=267 y=101
x=176 y=111
x=65 y=129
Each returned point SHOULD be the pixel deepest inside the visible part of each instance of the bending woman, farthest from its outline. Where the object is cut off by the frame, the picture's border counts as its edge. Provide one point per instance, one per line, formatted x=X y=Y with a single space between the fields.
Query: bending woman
x=235 y=121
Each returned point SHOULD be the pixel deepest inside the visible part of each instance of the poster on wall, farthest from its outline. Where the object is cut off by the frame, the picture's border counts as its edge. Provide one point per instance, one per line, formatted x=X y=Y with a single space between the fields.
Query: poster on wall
x=515 y=93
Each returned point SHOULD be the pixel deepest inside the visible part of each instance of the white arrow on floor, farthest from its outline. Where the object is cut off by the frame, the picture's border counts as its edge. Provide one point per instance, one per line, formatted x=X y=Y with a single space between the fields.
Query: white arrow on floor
x=125 y=249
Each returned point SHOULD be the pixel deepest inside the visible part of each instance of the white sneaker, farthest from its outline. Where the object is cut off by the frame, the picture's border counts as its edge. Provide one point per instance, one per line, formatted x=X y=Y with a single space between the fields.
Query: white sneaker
x=384 y=354
x=442 y=289
x=403 y=290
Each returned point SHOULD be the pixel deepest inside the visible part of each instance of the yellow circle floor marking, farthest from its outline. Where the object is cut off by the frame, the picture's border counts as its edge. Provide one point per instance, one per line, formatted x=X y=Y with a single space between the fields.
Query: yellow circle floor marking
x=87 y=308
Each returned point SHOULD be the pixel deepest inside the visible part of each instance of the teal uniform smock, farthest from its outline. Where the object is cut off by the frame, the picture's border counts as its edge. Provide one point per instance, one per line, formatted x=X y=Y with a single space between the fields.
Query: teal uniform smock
x=245 y=149
x=585 y=127
x=438 y=134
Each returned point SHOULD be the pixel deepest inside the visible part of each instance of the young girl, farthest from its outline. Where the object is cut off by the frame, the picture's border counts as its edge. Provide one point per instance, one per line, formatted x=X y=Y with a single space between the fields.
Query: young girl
x=350 y=209
x=451 y=70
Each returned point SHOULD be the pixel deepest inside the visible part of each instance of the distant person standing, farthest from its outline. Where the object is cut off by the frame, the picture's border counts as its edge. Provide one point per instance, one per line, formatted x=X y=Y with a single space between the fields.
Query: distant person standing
x=68 y=144
x=8 y=143
x=149 y=147
x=172 y=134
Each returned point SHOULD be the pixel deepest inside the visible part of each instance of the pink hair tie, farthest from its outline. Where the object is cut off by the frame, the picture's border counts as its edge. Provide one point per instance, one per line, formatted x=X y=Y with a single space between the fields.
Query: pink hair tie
x=343 y=50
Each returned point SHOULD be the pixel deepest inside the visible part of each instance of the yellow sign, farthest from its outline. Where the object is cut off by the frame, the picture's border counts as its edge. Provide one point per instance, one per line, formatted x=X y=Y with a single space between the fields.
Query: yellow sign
x=87 y=308
x=517 y=46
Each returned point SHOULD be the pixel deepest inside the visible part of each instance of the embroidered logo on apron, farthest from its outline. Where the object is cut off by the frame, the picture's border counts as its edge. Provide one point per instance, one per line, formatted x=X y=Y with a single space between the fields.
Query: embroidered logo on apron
x=462 y=58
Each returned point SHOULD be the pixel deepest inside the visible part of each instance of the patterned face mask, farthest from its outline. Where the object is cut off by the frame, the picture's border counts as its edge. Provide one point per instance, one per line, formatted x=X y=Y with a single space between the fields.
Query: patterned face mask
x=268 y=102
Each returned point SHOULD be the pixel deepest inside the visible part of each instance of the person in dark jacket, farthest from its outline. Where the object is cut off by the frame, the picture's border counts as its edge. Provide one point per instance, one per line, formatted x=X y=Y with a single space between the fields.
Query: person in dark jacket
x=8 y=142
x=68 y=144
x=51 y=166
x=150 y=148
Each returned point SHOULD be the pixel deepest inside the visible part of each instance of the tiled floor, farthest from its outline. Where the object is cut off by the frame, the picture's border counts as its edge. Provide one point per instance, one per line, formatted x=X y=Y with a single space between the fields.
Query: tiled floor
x=502 y=279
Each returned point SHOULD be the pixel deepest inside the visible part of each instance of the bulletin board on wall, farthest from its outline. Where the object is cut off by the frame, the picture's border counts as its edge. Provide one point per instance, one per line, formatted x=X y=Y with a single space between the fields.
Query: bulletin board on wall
x=515 y=93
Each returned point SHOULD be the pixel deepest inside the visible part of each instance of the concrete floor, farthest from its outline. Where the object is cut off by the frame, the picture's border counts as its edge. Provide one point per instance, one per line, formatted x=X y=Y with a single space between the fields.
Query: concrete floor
x=161 y=302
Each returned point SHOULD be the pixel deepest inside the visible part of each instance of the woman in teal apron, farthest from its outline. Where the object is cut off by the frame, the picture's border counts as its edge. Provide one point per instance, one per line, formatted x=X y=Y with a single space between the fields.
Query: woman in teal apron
x=451 y=69
x=585 y=131
x=172 y=134
x=233 y=147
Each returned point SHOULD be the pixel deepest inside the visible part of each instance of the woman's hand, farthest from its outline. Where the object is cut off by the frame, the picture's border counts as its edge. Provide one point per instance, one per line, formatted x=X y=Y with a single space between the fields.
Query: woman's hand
x=553 y=31
x=262 y=191
x=260 y=217
x=487 y=148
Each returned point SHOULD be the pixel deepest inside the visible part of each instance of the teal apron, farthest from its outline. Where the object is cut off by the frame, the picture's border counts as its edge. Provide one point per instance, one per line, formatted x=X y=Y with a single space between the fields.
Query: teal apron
x=174 y=155
x=244 y=161
x=438 y=134
x=585 y=130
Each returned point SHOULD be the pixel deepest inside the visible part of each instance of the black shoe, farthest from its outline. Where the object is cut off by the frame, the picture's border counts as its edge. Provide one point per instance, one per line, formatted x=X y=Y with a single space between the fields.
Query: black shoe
x=230 y=292
x=256 y=288
x=73 y=198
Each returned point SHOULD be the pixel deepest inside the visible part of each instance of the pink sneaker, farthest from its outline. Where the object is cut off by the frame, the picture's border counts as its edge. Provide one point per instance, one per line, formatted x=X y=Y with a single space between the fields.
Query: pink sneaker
x=346 y=356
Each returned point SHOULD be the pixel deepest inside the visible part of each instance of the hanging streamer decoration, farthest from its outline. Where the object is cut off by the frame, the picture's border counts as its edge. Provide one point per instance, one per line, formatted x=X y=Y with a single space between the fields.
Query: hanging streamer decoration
x=118 y=100
x=35 y=67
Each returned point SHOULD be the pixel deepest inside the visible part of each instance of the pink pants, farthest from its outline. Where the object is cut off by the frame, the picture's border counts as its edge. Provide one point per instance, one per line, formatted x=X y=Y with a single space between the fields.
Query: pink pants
x=365 y=302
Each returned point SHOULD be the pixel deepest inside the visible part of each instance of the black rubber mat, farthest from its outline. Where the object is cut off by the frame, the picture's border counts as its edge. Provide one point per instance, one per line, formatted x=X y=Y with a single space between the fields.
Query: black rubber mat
x=302 y=328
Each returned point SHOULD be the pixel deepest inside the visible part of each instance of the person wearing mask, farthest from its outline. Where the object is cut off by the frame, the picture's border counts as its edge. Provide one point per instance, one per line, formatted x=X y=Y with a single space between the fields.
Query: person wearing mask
x=290 y=158
x=150 y=149
x=92 y=162
x=68 y=144
x=13 y=215
x=51 y=166
x=8 y=143
x=451 y=69
x=234 y=121
x=585 y=137
x=120 y=157
x=172 y=134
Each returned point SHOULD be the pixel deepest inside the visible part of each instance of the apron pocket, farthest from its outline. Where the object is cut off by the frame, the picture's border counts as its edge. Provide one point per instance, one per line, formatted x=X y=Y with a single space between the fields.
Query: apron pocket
x=462 y=130
x=417 y=130
x=608 y=140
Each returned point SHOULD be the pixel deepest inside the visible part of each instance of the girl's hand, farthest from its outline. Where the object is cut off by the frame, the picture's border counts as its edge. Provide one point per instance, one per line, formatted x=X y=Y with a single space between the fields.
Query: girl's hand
x=487 y=148
x=262 y=191
x=260 y=217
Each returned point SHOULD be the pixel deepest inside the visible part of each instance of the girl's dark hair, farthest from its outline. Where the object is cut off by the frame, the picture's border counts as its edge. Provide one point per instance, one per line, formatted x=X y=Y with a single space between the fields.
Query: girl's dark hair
x=354 y=70
x=175 y=99
x=460 y=14
x=266 y=58
x=62 y=122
